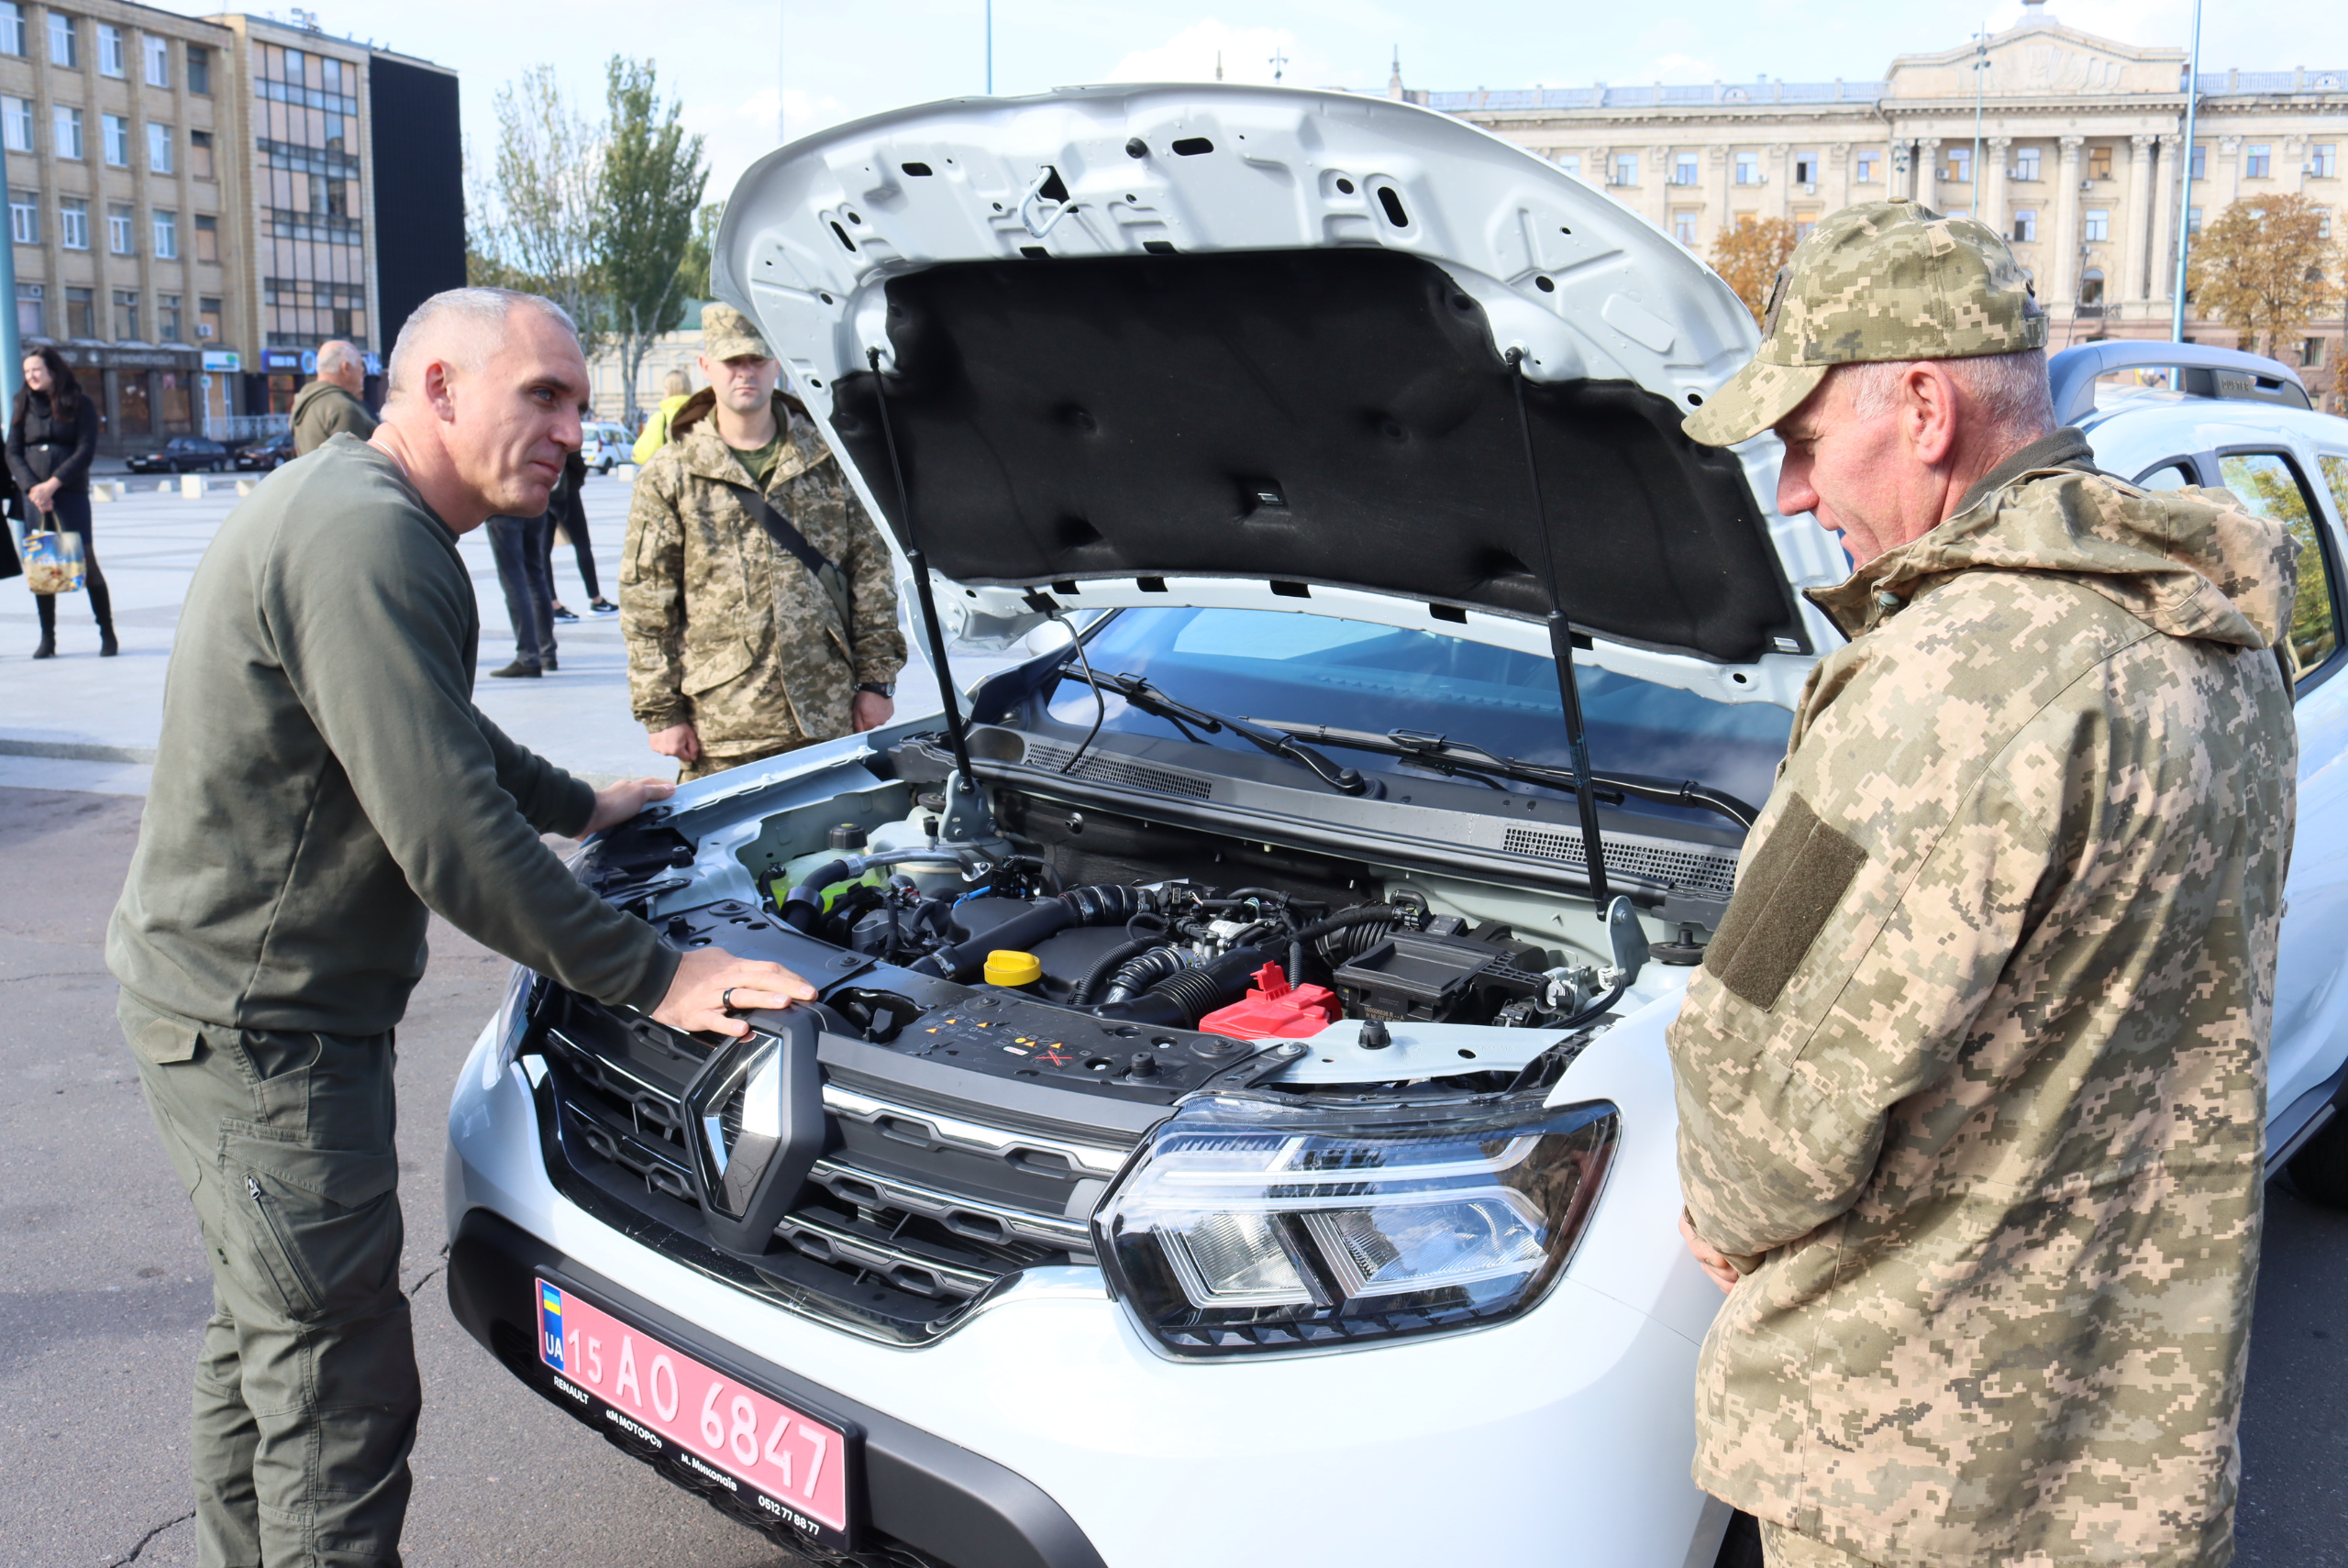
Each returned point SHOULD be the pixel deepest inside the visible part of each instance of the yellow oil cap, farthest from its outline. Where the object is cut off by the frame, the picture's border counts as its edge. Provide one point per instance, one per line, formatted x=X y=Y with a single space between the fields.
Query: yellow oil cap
x=1008 y=968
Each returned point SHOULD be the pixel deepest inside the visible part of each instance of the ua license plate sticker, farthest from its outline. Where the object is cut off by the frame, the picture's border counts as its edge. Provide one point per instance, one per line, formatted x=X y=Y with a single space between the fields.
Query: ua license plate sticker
x=780 y=1461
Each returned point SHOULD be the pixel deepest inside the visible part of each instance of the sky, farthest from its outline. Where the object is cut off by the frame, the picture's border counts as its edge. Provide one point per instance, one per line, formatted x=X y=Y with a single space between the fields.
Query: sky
x=745 y=71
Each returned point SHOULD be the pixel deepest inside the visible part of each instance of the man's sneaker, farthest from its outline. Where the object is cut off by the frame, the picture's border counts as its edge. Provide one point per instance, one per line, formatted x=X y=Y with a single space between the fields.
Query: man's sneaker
x=550 y=663
x=603 y=607
x=516 y=668
x=562 y=615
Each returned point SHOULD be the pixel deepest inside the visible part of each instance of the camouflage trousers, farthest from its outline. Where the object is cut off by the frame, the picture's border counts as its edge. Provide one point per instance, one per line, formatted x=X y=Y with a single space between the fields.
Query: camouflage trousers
x=305 y=1388
x=1783 y=1548
x=713 y=761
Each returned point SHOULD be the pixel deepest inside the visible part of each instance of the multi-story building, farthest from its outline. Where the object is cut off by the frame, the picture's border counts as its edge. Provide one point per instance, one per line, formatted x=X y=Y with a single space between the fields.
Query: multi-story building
x=2080 y=158
x=196 y=205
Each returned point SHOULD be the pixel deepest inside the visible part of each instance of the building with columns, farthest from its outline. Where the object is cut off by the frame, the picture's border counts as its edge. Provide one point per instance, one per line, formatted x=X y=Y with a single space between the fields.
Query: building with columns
x=2071 y=145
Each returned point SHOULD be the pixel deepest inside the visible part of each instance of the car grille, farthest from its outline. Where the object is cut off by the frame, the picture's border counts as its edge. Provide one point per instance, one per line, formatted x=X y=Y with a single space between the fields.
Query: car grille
x=916 y=1211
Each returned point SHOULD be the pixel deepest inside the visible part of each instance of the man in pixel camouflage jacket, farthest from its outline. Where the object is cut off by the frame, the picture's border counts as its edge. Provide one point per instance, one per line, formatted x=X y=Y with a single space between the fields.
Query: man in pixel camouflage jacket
x=737 y=650
x=1972 y=1085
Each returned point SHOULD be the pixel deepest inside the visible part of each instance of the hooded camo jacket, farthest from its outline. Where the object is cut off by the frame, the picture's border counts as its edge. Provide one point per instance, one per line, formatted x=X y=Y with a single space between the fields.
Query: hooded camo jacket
x=1972 y=1084
x=725 y=627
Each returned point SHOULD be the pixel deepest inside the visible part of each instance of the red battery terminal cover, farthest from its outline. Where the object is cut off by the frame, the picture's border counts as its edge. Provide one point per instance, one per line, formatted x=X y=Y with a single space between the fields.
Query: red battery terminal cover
x=1274 y=1009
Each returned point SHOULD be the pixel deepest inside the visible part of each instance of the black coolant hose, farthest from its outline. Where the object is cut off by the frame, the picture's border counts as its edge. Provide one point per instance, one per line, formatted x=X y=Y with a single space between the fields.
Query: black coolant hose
x=1111 y=961
x=1021 y=933
x=1188 y=995
x=1348 y=934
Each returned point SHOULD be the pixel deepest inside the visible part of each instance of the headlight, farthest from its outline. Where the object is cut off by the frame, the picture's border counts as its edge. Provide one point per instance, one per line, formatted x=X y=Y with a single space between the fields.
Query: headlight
x=1259 y=1223
x=513 y=1018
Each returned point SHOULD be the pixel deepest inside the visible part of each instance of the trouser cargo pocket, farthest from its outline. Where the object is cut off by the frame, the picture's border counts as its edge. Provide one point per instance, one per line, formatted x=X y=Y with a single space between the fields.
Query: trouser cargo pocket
x=320 y=1228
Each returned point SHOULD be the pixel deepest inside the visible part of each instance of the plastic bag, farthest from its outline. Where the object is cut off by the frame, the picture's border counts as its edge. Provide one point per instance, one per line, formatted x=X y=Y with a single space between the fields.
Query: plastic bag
x=53 y=561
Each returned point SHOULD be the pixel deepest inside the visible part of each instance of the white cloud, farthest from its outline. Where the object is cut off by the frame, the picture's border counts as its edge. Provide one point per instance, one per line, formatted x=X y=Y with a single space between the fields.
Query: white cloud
x=1682 y=70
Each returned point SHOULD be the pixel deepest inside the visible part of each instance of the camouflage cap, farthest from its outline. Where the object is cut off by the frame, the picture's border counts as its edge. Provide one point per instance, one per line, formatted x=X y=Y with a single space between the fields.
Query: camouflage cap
x=1879 y=281
x=727 y=334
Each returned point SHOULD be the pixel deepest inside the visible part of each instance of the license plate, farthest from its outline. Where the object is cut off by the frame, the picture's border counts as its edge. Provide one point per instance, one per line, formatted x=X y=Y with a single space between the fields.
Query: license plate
x=782 y=1462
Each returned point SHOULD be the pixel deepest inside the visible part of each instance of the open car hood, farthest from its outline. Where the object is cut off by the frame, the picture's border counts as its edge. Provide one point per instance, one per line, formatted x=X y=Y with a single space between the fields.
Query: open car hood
x=1138 y=333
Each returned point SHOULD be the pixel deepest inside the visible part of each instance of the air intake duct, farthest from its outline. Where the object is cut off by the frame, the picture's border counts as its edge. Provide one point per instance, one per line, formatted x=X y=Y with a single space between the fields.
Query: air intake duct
x=1078 y=906
x=1188 y=995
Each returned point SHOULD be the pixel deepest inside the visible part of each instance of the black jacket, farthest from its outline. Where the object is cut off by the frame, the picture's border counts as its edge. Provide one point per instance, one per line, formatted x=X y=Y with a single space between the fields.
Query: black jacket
x=43 y=444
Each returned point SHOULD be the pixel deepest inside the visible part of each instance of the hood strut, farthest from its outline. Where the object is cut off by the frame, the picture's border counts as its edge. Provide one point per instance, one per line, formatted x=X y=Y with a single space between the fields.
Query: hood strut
x=1561 y=649
x=920 y=565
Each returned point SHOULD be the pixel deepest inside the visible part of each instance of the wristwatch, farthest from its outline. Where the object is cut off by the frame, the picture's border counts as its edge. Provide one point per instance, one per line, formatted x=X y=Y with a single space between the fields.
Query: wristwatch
x=878 y=687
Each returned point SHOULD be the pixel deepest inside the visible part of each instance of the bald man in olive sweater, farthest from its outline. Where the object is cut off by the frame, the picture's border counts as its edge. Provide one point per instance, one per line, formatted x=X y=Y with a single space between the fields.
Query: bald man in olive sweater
x=322 y=781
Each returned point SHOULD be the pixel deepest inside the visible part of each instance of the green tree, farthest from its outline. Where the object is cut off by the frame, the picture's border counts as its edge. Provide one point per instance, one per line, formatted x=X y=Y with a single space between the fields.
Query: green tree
x=692 y=272
x=536 y=204
x=651 y=179
x=2266 y=268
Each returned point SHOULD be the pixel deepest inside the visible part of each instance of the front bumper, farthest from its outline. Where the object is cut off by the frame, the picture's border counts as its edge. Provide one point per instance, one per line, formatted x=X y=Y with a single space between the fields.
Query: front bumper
x=1564 y=1435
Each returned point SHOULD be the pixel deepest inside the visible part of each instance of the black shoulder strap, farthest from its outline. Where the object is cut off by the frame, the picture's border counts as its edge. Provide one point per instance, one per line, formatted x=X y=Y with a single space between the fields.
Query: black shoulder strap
x=828 y=577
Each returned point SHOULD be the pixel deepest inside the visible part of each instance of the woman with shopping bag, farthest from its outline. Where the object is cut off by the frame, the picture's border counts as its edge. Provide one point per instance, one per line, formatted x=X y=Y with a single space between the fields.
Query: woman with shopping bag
x=52 y=435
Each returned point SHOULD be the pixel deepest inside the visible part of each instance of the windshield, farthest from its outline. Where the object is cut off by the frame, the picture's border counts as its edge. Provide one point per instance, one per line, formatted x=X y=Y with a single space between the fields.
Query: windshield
x=1318 y=670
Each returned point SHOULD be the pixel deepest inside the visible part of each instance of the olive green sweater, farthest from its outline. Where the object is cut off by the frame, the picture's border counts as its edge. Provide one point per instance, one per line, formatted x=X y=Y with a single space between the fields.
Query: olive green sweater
x=324 y=778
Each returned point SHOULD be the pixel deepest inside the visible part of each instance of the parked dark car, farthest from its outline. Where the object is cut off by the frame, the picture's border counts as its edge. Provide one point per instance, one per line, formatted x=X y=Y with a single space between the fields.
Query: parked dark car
x=267 y=453
x=181 y=454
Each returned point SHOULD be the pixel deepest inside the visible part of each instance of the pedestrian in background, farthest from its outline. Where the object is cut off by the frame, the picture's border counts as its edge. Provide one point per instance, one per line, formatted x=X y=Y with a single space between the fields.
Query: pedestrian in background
x=520 y=547
x=676 y=388
x=755 y=593
x=324 y=779
x=567 y=515
x=52 y=435
x=330 y=405
x=1972 y=1084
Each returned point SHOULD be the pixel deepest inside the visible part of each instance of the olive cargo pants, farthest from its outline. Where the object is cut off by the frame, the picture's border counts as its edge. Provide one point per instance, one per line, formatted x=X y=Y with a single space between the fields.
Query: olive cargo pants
x=305 y=1388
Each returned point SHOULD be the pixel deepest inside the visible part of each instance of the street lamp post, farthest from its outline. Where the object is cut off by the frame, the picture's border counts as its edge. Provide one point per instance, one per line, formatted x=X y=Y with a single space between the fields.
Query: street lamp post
x=990 y=48
x=2184 y=177
x=1980 y=74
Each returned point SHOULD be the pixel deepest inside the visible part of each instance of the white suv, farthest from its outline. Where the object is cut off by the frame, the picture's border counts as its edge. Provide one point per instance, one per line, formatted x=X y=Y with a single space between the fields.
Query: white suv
x=1233 y=1139
x=604 y=445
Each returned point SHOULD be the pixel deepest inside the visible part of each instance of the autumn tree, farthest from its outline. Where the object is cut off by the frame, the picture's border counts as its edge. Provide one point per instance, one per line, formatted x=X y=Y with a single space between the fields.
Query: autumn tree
x=1748 y=255
x=533 y=223
x=2266 y=268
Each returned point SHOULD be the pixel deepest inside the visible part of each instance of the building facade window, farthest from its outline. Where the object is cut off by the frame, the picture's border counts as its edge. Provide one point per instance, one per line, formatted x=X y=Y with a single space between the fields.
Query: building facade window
x=126 y=316
x=207 y=319
x=1749 y=169
x=24 y=216
x=2193 y=220
x=31 y=320
x=1805 y=168
x=2026 y=225
x=1957 y=165
x=2025 y=163
x=2099 y=163
x=113 y=59
x=1865 y=169
x=12 y=27
x=2098 y=224
x=2257 y=160
x=2311 y=353
x=17 y=124
x=118 y=221
x=65 y=130
x=167 y=236
x=158 y=148
x=177 y=417
x=1684 y=170
x=1627 y=169
x=2323 y=161
x=2090 y=289
x=1807 y=224
x=199 y=154
x=2323 y=223
x=136 y=416
x=159 y=60
x=199 y=69
x=73 y=224
x=167 y=318
x=2200 y=160
x=1683 y=224
x=114 y=139
x=309 y=246
x=207 y=237
x=64 y=42
x=1569 y=161
x=81 y=312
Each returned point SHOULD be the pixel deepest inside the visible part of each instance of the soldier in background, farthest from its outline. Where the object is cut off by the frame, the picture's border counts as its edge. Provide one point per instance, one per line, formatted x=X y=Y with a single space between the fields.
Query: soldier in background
x=330 y=405
x=755 y=592
x=1971 y=1085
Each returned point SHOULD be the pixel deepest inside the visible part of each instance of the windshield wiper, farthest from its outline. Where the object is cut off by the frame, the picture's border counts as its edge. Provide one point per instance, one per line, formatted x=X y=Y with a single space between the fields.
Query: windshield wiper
x=1445 y=756
x=1184 y=716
